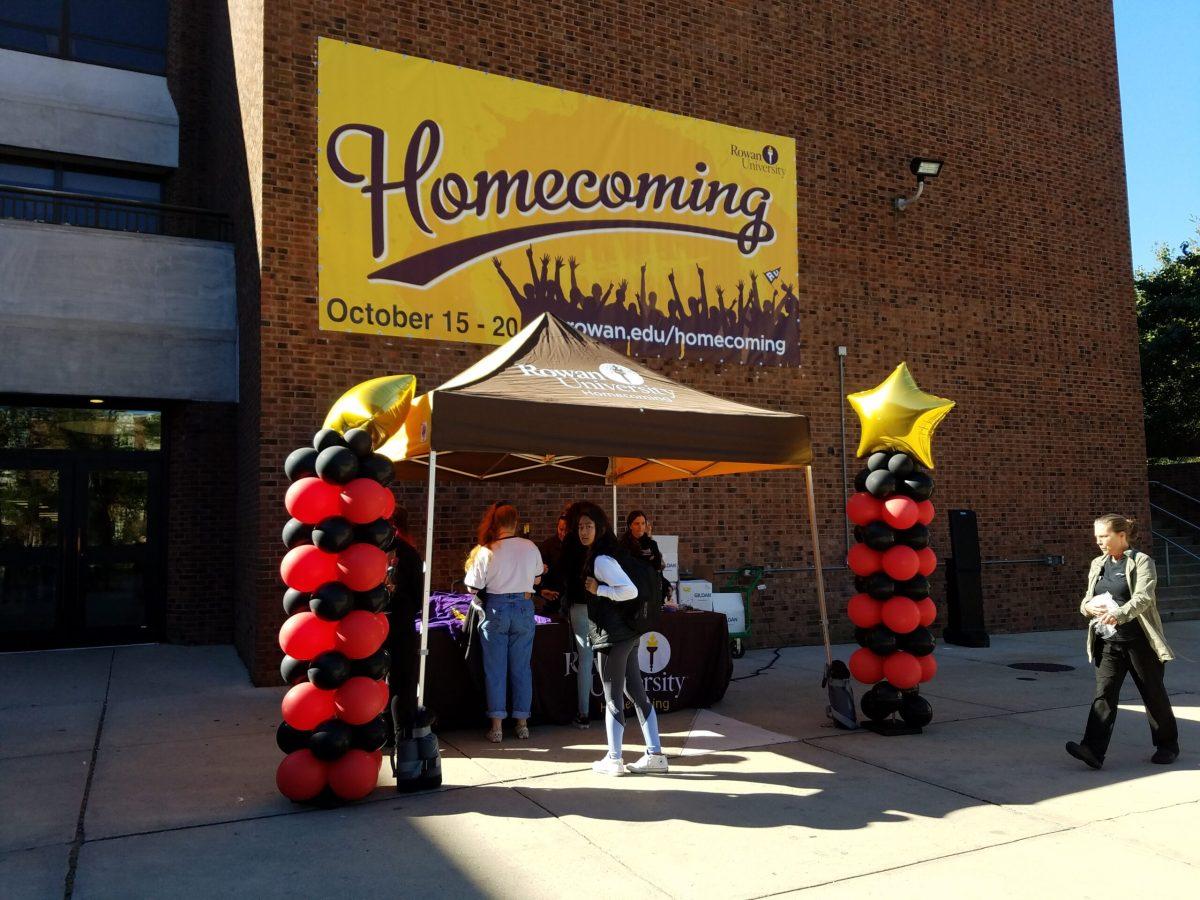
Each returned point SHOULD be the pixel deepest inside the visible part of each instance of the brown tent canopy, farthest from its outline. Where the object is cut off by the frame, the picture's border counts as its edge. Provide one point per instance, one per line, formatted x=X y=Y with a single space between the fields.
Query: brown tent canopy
x=554 y=405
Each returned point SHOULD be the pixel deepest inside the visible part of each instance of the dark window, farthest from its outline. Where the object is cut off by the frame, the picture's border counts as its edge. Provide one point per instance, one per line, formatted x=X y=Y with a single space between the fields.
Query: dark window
x=33 y=207
x=124 y=34
x=64 y=428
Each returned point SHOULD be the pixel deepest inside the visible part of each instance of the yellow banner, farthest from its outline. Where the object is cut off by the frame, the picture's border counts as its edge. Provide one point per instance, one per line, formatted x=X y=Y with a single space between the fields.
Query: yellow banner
x=457 y=205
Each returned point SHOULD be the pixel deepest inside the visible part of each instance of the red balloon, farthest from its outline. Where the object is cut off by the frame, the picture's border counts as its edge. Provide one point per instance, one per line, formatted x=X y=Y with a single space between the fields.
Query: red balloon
x=384 y=622
x=354 y=775
x=389 y=505
x=306 y=706
x=862 y=560
x=310 y=500
x=365 y=500
x=864 y=611
x=359 y=700
x=359 y=634
x=901 y=615
x=925 y=512
x=900 y=512
x=928 y=611
x=901 y=563
x=862 y=508
x=306 y=568
x=301 y=776
x=304 y=636
x=865 y=666
x=385 y=693
x=928 y=667
x=928 y=561
x=902 y=670
x=361 y=567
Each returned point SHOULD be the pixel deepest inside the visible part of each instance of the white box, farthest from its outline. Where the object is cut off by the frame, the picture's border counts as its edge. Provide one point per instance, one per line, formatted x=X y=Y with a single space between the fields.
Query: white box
x=694 y=592
x=668 y=546
x=734 y=608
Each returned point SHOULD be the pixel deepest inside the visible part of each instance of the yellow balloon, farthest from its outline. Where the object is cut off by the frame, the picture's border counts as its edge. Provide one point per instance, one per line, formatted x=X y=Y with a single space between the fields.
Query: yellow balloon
x=379 y=406
x=898 y=415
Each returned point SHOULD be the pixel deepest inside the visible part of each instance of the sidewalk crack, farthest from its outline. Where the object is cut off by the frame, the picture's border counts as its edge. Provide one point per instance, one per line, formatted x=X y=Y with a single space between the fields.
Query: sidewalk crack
x=77 y=844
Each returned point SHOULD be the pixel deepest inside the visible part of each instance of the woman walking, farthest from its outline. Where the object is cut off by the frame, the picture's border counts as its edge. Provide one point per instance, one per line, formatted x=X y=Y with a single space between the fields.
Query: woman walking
x=1125 y=635
x=505 y=568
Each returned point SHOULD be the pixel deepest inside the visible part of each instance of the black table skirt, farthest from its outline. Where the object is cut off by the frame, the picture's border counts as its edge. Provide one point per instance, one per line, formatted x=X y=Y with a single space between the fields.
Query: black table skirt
x=697 y=671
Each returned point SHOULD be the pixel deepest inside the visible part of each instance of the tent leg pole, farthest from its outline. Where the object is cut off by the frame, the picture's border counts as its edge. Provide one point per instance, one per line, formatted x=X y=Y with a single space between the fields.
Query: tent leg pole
x=816 y=542
x=614 y=518
x=428 y=576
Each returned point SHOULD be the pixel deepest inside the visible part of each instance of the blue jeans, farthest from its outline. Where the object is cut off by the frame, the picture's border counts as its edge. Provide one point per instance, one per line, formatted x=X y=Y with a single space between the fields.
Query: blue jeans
x=507 y=647
x=579 y=625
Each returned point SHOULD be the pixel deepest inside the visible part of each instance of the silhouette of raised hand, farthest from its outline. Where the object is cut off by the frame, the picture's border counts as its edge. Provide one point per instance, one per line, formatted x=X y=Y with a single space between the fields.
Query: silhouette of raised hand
x=496 y=262
x=573 y=264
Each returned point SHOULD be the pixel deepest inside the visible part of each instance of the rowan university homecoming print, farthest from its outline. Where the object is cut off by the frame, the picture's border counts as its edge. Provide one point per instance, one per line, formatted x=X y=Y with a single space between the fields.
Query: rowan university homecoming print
x=457 y=205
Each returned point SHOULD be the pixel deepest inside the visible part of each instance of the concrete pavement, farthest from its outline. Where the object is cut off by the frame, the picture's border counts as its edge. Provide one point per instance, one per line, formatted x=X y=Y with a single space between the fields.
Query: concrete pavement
x=149 y=772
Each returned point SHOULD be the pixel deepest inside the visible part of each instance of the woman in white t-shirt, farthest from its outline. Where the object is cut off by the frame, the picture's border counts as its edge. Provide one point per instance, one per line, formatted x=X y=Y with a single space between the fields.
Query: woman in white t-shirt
x=505 y=568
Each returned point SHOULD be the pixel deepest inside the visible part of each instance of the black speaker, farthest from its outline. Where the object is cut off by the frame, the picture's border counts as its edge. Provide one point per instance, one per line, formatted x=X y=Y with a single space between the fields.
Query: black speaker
x=964 y=586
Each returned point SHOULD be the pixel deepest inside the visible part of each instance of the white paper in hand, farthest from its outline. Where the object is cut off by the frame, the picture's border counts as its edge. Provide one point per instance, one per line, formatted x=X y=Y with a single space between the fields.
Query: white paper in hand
x=1106 y=602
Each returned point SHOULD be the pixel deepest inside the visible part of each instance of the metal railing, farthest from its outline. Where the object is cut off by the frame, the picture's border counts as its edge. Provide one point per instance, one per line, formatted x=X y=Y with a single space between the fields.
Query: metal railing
x=1167 y=545
x=1176 y=491
x=85 y=211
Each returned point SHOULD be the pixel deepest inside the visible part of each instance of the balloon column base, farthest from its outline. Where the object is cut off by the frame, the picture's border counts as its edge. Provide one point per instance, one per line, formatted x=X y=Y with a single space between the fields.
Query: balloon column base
x=890 y=727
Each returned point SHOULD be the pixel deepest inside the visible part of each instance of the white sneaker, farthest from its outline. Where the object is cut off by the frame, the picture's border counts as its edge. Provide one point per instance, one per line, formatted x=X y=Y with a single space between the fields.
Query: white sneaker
x=609 y=766
x=649 y=764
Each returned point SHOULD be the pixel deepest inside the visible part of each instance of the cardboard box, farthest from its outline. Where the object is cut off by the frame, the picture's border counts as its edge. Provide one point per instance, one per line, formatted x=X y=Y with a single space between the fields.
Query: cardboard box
x=696 y=593
x=734 y=609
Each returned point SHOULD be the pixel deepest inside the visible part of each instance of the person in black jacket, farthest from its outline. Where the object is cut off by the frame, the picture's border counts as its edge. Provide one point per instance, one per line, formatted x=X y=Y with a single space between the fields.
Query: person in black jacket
x=637 y=541
x=611 y=633
x=407 y=585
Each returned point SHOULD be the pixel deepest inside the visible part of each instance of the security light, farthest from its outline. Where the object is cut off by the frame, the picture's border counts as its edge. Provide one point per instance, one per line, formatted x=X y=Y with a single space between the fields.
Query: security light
x=922 y=168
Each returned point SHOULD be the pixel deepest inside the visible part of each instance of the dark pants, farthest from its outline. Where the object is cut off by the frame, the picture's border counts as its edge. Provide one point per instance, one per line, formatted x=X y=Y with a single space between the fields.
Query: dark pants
x=621 y=677
x=404 y=644
x=1138 y=658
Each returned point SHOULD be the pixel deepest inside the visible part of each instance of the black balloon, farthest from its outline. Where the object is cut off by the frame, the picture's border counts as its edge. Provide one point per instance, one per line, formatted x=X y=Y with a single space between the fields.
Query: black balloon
x=328 y=437
x=292 y=670
x=359 y=440
x=296 y=534
x=331 y=601
x=901 y=464
x=880 y=701
x=372 y=736
x=291 y=739
x=919 y=642
x=878 y=460
x=374 y=600
x=881 y=640
x=915 y=710
x=300 y=463
x=860 y=480
x=881 y=484
x=295 y=601
x=329 y=671
x=877 y=585
x=917 y=588
x=918 y=485
x=376 y=666
x=337 y=464
x=916 y=537
x=379 y=533
x=377 y=466
x=333 y=534
x=330 y=740
x=879 y=536
x=860 y=533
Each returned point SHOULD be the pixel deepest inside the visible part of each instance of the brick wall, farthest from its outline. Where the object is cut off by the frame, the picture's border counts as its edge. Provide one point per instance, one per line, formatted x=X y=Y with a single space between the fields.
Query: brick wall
x=991 y=288
x=201 y=516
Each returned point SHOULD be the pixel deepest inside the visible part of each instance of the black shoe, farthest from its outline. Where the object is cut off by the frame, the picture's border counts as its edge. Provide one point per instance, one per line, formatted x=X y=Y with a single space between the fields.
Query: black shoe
x=582 y=722
x=1164 y=756
x=1084 y=754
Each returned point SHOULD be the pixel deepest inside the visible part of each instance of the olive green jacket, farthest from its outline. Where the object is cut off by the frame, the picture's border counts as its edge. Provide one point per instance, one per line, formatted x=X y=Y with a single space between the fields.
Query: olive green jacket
x=1143 y=605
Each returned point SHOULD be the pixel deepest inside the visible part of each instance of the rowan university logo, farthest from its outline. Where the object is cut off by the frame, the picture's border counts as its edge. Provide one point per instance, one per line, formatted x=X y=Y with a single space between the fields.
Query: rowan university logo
x=770 y=155
x=621 y=374
x=654 y=652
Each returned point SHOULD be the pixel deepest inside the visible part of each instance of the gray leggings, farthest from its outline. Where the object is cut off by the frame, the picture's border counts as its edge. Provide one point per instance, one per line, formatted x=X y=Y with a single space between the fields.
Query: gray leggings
x=621 y=676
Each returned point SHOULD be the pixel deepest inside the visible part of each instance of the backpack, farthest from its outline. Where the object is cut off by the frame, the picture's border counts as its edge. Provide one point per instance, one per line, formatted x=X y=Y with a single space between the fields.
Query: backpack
x=641 y=614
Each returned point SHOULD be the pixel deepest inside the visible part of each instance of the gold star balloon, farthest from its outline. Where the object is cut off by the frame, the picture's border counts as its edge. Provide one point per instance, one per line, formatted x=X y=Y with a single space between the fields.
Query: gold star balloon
x=379 y=405
x=898 y=415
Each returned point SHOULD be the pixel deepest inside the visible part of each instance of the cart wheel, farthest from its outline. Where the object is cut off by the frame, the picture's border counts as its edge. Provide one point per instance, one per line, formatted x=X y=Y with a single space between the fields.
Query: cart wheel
x=736 y=648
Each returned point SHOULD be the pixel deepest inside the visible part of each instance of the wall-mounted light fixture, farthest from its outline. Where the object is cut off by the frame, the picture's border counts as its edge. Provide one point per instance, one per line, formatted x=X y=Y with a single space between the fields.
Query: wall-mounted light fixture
x=922 y=168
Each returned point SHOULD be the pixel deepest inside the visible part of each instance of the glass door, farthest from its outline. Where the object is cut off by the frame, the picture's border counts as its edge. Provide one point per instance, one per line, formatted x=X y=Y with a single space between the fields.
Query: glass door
x=31 y=550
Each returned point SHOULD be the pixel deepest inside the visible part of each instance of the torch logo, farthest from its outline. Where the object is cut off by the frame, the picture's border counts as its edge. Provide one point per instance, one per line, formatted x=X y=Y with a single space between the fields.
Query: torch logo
x=654 y=652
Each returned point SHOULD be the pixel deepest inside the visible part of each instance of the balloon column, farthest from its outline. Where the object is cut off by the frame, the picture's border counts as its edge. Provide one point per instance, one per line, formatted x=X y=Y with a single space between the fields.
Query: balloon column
x=336 y=663
x=892 y=559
